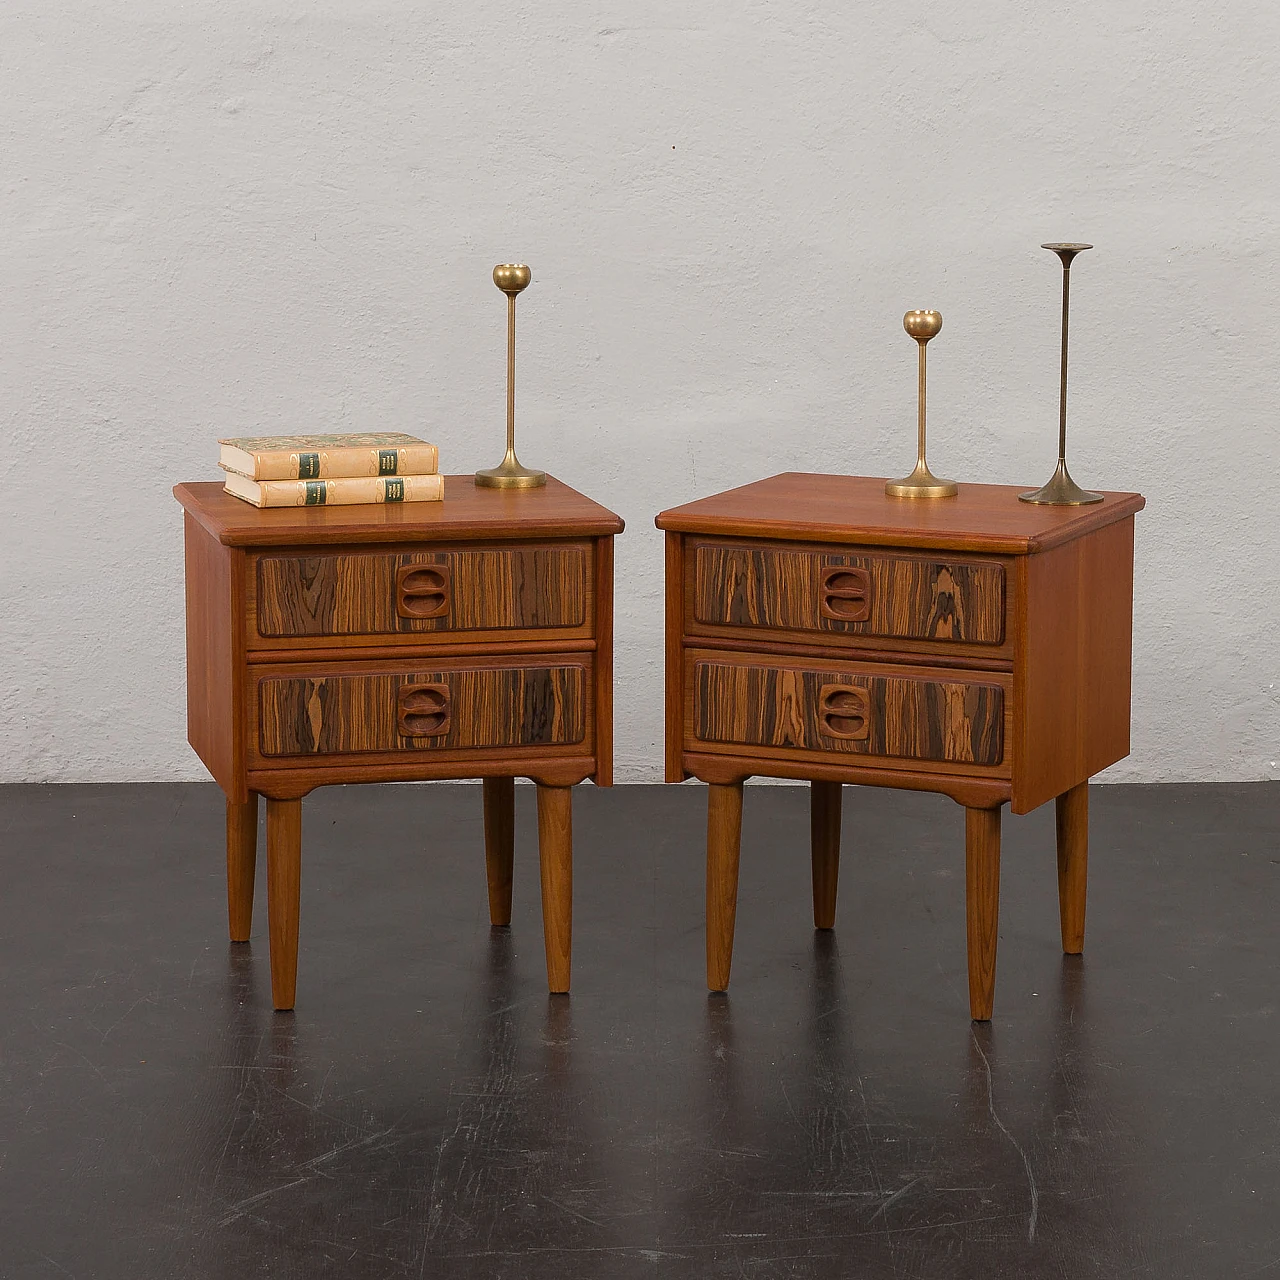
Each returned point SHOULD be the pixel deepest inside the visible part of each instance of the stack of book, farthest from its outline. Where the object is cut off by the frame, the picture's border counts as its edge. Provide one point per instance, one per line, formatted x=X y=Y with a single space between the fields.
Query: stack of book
x=328 y=471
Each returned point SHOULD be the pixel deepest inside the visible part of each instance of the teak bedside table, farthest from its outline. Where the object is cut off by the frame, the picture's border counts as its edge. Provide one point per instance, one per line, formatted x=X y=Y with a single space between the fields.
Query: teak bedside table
x=469 y=638
x=974 y=645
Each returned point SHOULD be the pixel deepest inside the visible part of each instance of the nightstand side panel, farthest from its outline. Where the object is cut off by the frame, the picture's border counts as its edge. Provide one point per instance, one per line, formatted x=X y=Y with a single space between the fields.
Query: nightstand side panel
x=215 y=657
x=1073 y=665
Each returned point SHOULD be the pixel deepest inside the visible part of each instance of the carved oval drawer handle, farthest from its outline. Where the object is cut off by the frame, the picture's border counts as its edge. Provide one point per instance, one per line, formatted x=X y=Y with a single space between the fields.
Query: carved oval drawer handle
x=422 y=590
x=844 y=711
x=845 y=594
x=422 y=710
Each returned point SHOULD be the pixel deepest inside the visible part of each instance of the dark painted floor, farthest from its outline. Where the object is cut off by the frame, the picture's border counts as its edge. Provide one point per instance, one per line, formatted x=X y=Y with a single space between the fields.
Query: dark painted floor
x=428 y=1111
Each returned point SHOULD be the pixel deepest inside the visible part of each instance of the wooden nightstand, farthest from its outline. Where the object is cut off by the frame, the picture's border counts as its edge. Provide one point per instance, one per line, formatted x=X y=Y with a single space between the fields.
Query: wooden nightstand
x=469 y=638
x=975 y=645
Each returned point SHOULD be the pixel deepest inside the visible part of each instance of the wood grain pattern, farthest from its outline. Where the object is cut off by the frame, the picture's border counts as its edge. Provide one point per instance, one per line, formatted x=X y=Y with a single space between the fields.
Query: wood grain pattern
x=824 y=840
x=910 y=718
x=555 y=859
x=982 y=906
x=384 y=593
x=953 y=779
x=215 y=658
x=724 y=842
x=1073 y=664
x=284 y=882
x=1072 y=822
x=242 y=858
x=525 y=706
x=856 y=510
x=845 y=592
x=499 y=845
x=553 y=511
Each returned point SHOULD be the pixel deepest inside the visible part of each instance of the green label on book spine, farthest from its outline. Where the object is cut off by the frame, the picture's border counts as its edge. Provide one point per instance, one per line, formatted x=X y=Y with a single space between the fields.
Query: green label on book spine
x=394 y=490
x=388 y=461
x=308 y=466
x=317 y=492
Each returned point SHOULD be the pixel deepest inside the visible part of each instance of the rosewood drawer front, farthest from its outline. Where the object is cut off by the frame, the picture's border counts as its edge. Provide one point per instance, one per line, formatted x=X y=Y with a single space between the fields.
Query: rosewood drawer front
x=816 y=590
x=452 y=594
x=829 y=707
x=320 y=712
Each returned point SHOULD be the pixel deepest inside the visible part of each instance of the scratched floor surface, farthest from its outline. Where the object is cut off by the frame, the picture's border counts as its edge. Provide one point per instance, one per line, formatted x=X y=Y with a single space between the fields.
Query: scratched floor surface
x=429 y=1112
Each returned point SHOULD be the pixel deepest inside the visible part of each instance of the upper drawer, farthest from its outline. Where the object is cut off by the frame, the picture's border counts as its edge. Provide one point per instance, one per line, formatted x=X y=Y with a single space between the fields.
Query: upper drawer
x=895 y=596
x=454 y=594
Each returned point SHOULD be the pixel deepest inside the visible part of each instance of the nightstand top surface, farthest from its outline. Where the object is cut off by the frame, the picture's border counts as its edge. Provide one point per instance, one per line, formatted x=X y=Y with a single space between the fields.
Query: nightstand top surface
x=467 y=513
x=826 y=508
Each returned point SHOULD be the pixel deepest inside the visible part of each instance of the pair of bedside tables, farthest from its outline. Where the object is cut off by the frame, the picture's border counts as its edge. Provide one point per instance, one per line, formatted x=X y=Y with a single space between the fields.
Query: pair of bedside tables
x=815 y=629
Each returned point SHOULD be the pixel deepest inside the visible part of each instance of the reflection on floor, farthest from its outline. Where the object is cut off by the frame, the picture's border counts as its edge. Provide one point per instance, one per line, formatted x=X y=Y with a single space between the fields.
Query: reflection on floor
x=430 y=1111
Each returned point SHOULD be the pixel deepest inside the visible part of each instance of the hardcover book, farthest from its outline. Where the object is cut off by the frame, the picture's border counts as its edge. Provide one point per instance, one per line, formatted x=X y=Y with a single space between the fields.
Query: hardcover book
x=347 y=491
x=385 y=453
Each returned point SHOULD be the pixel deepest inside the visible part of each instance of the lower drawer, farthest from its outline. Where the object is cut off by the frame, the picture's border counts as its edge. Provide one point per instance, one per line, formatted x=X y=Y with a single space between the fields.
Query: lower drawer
x=333 y=710
x=753 y=701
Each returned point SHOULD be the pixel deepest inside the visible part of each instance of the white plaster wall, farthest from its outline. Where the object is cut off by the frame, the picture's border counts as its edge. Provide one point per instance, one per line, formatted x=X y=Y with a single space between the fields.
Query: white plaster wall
x=257 y=216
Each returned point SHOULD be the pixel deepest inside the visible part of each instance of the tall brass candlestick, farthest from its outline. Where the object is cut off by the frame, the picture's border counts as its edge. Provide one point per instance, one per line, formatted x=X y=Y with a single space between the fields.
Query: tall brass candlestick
x=921 y=483
x=511 y=278
x=1062 y=490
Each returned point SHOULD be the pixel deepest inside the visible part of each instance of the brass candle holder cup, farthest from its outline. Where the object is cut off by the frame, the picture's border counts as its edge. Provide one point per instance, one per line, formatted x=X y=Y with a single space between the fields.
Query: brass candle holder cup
x=1062 y=490
x=511 y=278
x=921 y=483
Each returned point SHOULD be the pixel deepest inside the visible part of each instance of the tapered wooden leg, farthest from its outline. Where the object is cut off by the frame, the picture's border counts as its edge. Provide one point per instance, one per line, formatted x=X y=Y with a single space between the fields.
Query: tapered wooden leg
x=284 y=869
x=824 y=836
x=242 y=857
x=499 y=845
x=1073 y=865
x=724 y=841
x=555 y=855
x=982 y=892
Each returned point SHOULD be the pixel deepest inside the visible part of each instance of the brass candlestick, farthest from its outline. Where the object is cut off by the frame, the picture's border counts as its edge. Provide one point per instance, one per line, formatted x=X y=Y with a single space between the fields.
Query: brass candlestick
x=921 y=483
x=1062 y=490
x=511 y=278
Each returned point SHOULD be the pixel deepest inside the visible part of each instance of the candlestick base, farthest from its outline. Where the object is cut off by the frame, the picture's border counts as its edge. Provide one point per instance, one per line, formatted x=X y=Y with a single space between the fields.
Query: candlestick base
x=921 y=483
x=1061 y=491
x=509 y=474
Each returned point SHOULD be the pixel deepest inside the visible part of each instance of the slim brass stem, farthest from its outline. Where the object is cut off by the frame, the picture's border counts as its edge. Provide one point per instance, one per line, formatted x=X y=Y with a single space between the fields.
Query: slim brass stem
x=511 y=372
x=1062 y=394
x=920 y=428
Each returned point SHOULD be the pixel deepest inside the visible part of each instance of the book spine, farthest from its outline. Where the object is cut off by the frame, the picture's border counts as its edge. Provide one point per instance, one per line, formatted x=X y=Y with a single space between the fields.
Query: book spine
x=333 y=464
x=351 y=490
